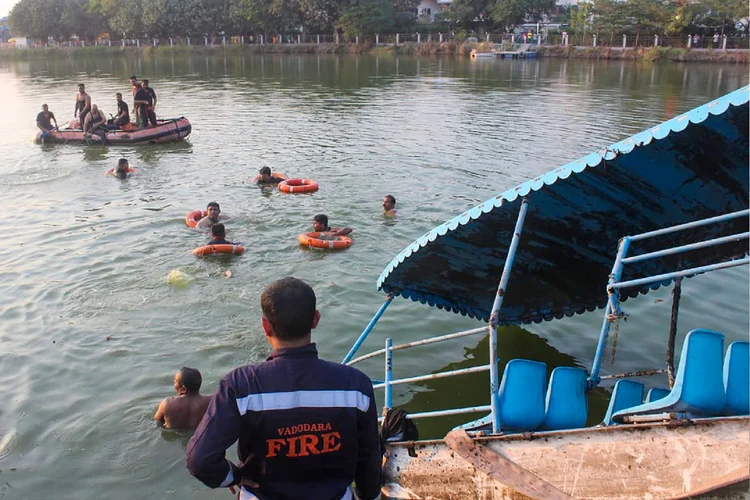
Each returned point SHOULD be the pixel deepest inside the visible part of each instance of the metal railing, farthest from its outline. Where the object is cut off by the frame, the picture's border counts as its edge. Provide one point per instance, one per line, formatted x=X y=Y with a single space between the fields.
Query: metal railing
x=613 y=313
x=616 y=41
x=389 y=382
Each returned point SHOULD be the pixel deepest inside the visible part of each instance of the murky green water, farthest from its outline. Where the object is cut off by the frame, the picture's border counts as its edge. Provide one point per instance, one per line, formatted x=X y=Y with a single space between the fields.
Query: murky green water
x=91 y=333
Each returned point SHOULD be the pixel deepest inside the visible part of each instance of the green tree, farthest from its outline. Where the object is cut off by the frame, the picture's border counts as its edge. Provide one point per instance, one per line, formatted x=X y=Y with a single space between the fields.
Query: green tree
x=508 y=13
x=126 y=20
x=465 y=12
x=37 y=18
x=368 y=16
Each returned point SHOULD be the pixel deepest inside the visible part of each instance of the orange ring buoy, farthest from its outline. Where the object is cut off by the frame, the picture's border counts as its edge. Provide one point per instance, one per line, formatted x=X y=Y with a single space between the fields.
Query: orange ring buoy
x=192 y=218
x=214 y=249
x=298 y=186
x=314 y=240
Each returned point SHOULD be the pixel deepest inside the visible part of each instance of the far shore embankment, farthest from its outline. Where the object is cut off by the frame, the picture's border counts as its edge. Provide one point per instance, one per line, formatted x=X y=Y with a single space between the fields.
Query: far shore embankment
x=451 y=48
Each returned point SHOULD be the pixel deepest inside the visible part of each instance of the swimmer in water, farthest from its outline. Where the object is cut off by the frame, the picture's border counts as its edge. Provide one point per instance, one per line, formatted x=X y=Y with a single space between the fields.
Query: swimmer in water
x=320 y=225
x=266 y=177
x=122 y=171
x=218 y=235
x=185 y=410
x=213 y=216
x=389 y=205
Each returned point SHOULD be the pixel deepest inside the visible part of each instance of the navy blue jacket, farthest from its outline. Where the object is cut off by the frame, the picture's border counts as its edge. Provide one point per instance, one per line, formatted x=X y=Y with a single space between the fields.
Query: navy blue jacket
x=306 y=427
x=220 y=241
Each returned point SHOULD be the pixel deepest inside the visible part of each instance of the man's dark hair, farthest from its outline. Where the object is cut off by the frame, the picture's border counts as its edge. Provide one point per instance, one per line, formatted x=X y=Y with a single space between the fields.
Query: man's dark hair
x=118 y=95
x=44 y=106
x=81 y=85
x=218 y=230
x=265 y=171
x=133 y=78
x=391 y=198
x=122 y=161
x=289 y=304
x=213 y=204
x=322 y=219
x=144 y=81
x=191 y=379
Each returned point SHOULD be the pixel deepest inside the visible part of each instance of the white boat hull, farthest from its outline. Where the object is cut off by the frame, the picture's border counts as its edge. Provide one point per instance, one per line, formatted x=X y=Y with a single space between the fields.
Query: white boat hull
x=654 y=461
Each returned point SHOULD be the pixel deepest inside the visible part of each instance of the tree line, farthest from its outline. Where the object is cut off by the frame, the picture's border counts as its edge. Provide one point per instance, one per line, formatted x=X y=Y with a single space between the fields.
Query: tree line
x=88 y=19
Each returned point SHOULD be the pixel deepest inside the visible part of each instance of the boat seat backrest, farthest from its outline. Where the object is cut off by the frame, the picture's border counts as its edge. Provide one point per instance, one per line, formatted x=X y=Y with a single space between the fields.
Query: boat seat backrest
x=566 y=405
x=737 y=379
x=698 y=389
x=656 y=393
x=699 y=374
x=626 y=394
x=521 y=395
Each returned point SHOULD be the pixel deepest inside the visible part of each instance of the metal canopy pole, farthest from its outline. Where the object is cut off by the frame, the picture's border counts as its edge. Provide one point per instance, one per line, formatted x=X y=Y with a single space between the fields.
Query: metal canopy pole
x=676 y=294
x=611 y=312
x=368 y=329
x=495 y=316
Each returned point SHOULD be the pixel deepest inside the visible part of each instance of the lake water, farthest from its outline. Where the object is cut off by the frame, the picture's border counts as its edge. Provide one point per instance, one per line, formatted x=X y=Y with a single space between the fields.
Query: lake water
x=91 y=333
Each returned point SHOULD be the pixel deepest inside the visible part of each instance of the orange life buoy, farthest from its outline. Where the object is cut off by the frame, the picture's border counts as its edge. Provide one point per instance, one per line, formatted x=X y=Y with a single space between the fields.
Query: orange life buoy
x=298 y=186
x=192 y=218
x=324 y=240
x=214 y=249
x=130 y=170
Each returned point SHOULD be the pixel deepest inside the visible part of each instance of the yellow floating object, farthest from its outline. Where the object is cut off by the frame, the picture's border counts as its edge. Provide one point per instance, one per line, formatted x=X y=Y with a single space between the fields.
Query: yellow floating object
x=178 y=279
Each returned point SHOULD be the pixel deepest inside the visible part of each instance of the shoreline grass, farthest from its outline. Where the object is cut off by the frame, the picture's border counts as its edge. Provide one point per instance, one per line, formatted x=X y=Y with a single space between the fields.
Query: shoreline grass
x=451 y=48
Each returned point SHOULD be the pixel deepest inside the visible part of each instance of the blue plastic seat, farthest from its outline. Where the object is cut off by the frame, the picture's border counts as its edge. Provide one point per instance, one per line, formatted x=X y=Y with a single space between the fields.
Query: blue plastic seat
x=626 y=394
x=566 y=404
x=698 y=388
x=656 y=393
x=521 y=395
x=737 y=379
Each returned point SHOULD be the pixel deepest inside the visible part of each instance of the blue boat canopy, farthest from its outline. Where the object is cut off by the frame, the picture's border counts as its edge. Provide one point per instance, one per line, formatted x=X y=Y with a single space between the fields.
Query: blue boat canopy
x=691 y=167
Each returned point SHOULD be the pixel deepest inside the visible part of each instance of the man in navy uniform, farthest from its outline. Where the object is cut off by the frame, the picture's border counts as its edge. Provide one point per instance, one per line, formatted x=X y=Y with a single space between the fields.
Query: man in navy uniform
x=306 y=427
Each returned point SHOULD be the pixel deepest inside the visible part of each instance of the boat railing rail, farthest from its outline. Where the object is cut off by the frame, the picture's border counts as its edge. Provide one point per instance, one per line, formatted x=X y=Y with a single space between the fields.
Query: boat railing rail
x=389 y=382
x=613 y=312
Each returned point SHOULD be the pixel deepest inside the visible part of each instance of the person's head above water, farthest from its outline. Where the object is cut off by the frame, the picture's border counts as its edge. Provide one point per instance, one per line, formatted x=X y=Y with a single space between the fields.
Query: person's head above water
x=188 y=381
x=289 y=312
x=45 y=108
x=122 y=164
x=218 y=231
x=265 y=174
x=81 y=88
x=144 y=84
x=213 y=210
x=118 y=96
x=320 y=223
x=389 y=202
x=133 y=80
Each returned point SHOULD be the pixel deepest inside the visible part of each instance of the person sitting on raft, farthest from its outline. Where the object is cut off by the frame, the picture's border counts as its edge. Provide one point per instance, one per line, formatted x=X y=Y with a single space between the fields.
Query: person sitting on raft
x=94 y=119
x=218 y=235
x=266 y=177
x=43 y=121
x=320 y=225
x=186 y=410
x=123 y=114
x=213 y=216
x=123 y=169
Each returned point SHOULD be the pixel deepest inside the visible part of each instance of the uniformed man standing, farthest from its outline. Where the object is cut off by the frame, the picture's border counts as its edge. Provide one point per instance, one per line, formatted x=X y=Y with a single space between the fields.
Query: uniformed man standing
x=306 y=427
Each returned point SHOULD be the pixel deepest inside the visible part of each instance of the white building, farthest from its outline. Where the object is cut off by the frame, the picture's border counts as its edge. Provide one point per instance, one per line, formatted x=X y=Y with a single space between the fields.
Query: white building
x=428 y=8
